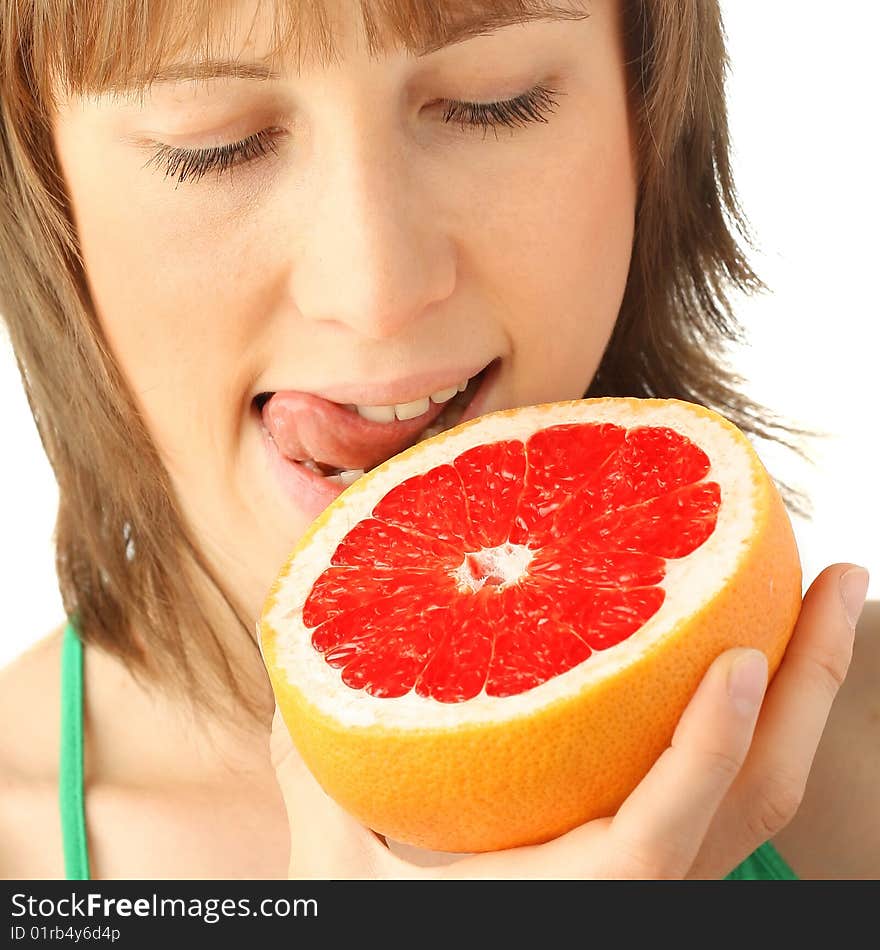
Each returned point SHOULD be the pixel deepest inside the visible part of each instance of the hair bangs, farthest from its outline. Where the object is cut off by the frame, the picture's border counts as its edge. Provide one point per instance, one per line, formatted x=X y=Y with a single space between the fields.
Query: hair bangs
x=121 y=46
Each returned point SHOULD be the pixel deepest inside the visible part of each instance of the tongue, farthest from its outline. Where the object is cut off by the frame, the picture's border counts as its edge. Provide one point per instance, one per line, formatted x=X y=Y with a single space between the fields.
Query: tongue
x=309 y=427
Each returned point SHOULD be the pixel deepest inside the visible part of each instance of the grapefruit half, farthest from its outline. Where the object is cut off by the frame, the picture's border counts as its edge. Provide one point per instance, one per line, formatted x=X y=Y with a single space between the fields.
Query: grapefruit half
x=489 y=638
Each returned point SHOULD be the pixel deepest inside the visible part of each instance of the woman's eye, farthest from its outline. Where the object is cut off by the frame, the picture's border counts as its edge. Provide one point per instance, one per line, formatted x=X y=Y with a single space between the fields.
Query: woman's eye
x=532 y=106
x=193 y=163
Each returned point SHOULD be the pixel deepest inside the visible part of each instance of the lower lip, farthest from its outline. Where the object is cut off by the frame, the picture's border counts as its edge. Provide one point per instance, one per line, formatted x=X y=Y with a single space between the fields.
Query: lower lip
x=312 y=493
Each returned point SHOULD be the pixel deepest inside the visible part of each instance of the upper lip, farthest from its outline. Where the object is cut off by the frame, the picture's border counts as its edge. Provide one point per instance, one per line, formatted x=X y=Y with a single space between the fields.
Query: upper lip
x=395 y=392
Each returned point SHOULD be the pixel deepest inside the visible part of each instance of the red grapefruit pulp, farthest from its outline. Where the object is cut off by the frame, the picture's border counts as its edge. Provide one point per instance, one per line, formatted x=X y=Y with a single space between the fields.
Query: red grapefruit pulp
x=553 y=567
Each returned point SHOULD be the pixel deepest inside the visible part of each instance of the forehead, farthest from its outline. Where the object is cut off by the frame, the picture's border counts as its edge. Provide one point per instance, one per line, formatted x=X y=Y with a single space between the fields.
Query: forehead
x=126 y=45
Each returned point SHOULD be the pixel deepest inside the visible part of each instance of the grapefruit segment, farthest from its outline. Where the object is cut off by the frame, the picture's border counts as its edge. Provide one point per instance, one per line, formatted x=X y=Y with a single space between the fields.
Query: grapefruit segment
x=457 y=669
x=340 y=590
x=435 y=499
x=669 y=526
x=565 y=461
x=492 y=476
x=516 y=612
x=573 y=563
x=384 y=544
x=528 y=649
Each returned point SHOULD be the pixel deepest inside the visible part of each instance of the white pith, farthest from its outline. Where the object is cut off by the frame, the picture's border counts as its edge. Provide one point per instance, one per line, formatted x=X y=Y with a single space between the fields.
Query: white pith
x=706 y=569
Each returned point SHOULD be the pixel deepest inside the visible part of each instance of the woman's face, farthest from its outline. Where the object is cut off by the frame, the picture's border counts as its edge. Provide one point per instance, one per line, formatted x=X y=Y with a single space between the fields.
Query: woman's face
x=374 y=245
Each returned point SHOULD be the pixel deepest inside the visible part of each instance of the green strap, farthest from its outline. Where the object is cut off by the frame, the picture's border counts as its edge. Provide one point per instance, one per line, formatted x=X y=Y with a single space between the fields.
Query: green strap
x=70 y=778
x=763 y=864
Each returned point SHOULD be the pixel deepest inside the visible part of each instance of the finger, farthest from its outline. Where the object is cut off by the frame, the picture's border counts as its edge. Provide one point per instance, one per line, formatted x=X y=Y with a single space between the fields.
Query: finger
x=326 y=842
x=659 y=829
x=768 y=790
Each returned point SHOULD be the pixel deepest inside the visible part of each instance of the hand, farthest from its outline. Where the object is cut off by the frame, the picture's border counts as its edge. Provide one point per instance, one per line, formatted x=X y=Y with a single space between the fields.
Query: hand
x=728 y=781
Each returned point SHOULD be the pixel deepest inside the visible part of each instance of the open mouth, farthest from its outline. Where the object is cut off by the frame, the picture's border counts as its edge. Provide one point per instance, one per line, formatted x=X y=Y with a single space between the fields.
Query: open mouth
x=435 y=423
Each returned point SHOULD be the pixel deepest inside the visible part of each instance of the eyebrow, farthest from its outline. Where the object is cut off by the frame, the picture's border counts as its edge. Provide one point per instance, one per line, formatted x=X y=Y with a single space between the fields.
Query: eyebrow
x=203 y=70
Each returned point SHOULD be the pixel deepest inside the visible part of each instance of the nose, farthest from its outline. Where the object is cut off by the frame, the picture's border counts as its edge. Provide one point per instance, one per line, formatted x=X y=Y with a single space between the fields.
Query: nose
x=372 y=253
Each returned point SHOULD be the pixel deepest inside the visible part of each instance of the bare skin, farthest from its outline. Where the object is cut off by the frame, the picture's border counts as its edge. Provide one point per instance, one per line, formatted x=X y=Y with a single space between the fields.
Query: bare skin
x=369 y=251
x=158 y=804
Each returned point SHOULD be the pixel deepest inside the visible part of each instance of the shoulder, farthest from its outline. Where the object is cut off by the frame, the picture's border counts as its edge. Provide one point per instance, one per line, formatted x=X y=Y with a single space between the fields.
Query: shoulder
x=836 y=831
x=30 y=710
x=30 y=703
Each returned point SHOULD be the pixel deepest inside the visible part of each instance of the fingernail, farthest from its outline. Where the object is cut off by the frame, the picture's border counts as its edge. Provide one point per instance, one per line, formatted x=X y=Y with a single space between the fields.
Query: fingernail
x=853 y=590
x=746 y=680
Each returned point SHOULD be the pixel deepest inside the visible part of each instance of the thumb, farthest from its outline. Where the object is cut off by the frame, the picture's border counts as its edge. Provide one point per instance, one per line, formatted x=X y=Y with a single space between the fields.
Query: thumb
x=325 y=841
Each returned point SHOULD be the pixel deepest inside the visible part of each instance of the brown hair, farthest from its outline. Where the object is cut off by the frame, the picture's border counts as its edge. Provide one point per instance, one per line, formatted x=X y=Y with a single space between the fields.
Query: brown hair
x=113 y=489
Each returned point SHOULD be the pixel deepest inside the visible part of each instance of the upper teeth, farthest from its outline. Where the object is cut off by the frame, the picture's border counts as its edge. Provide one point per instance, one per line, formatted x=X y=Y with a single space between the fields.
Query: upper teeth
x=408 y=410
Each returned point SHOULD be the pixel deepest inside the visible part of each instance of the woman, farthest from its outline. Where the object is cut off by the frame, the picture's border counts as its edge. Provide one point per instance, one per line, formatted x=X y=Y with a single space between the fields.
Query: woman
x=176 y=250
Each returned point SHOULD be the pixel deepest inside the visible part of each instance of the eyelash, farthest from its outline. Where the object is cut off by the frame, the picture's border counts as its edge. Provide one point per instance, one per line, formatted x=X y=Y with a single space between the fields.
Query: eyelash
x=193 y=163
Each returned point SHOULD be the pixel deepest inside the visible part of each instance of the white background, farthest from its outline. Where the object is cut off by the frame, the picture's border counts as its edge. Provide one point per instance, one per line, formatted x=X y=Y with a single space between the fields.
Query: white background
x=802 y=108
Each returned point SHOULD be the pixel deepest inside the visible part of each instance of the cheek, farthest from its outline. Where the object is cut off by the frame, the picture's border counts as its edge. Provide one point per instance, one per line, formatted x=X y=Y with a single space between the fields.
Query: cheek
x=559 y=234
x=169 y=297
x=162 y=300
